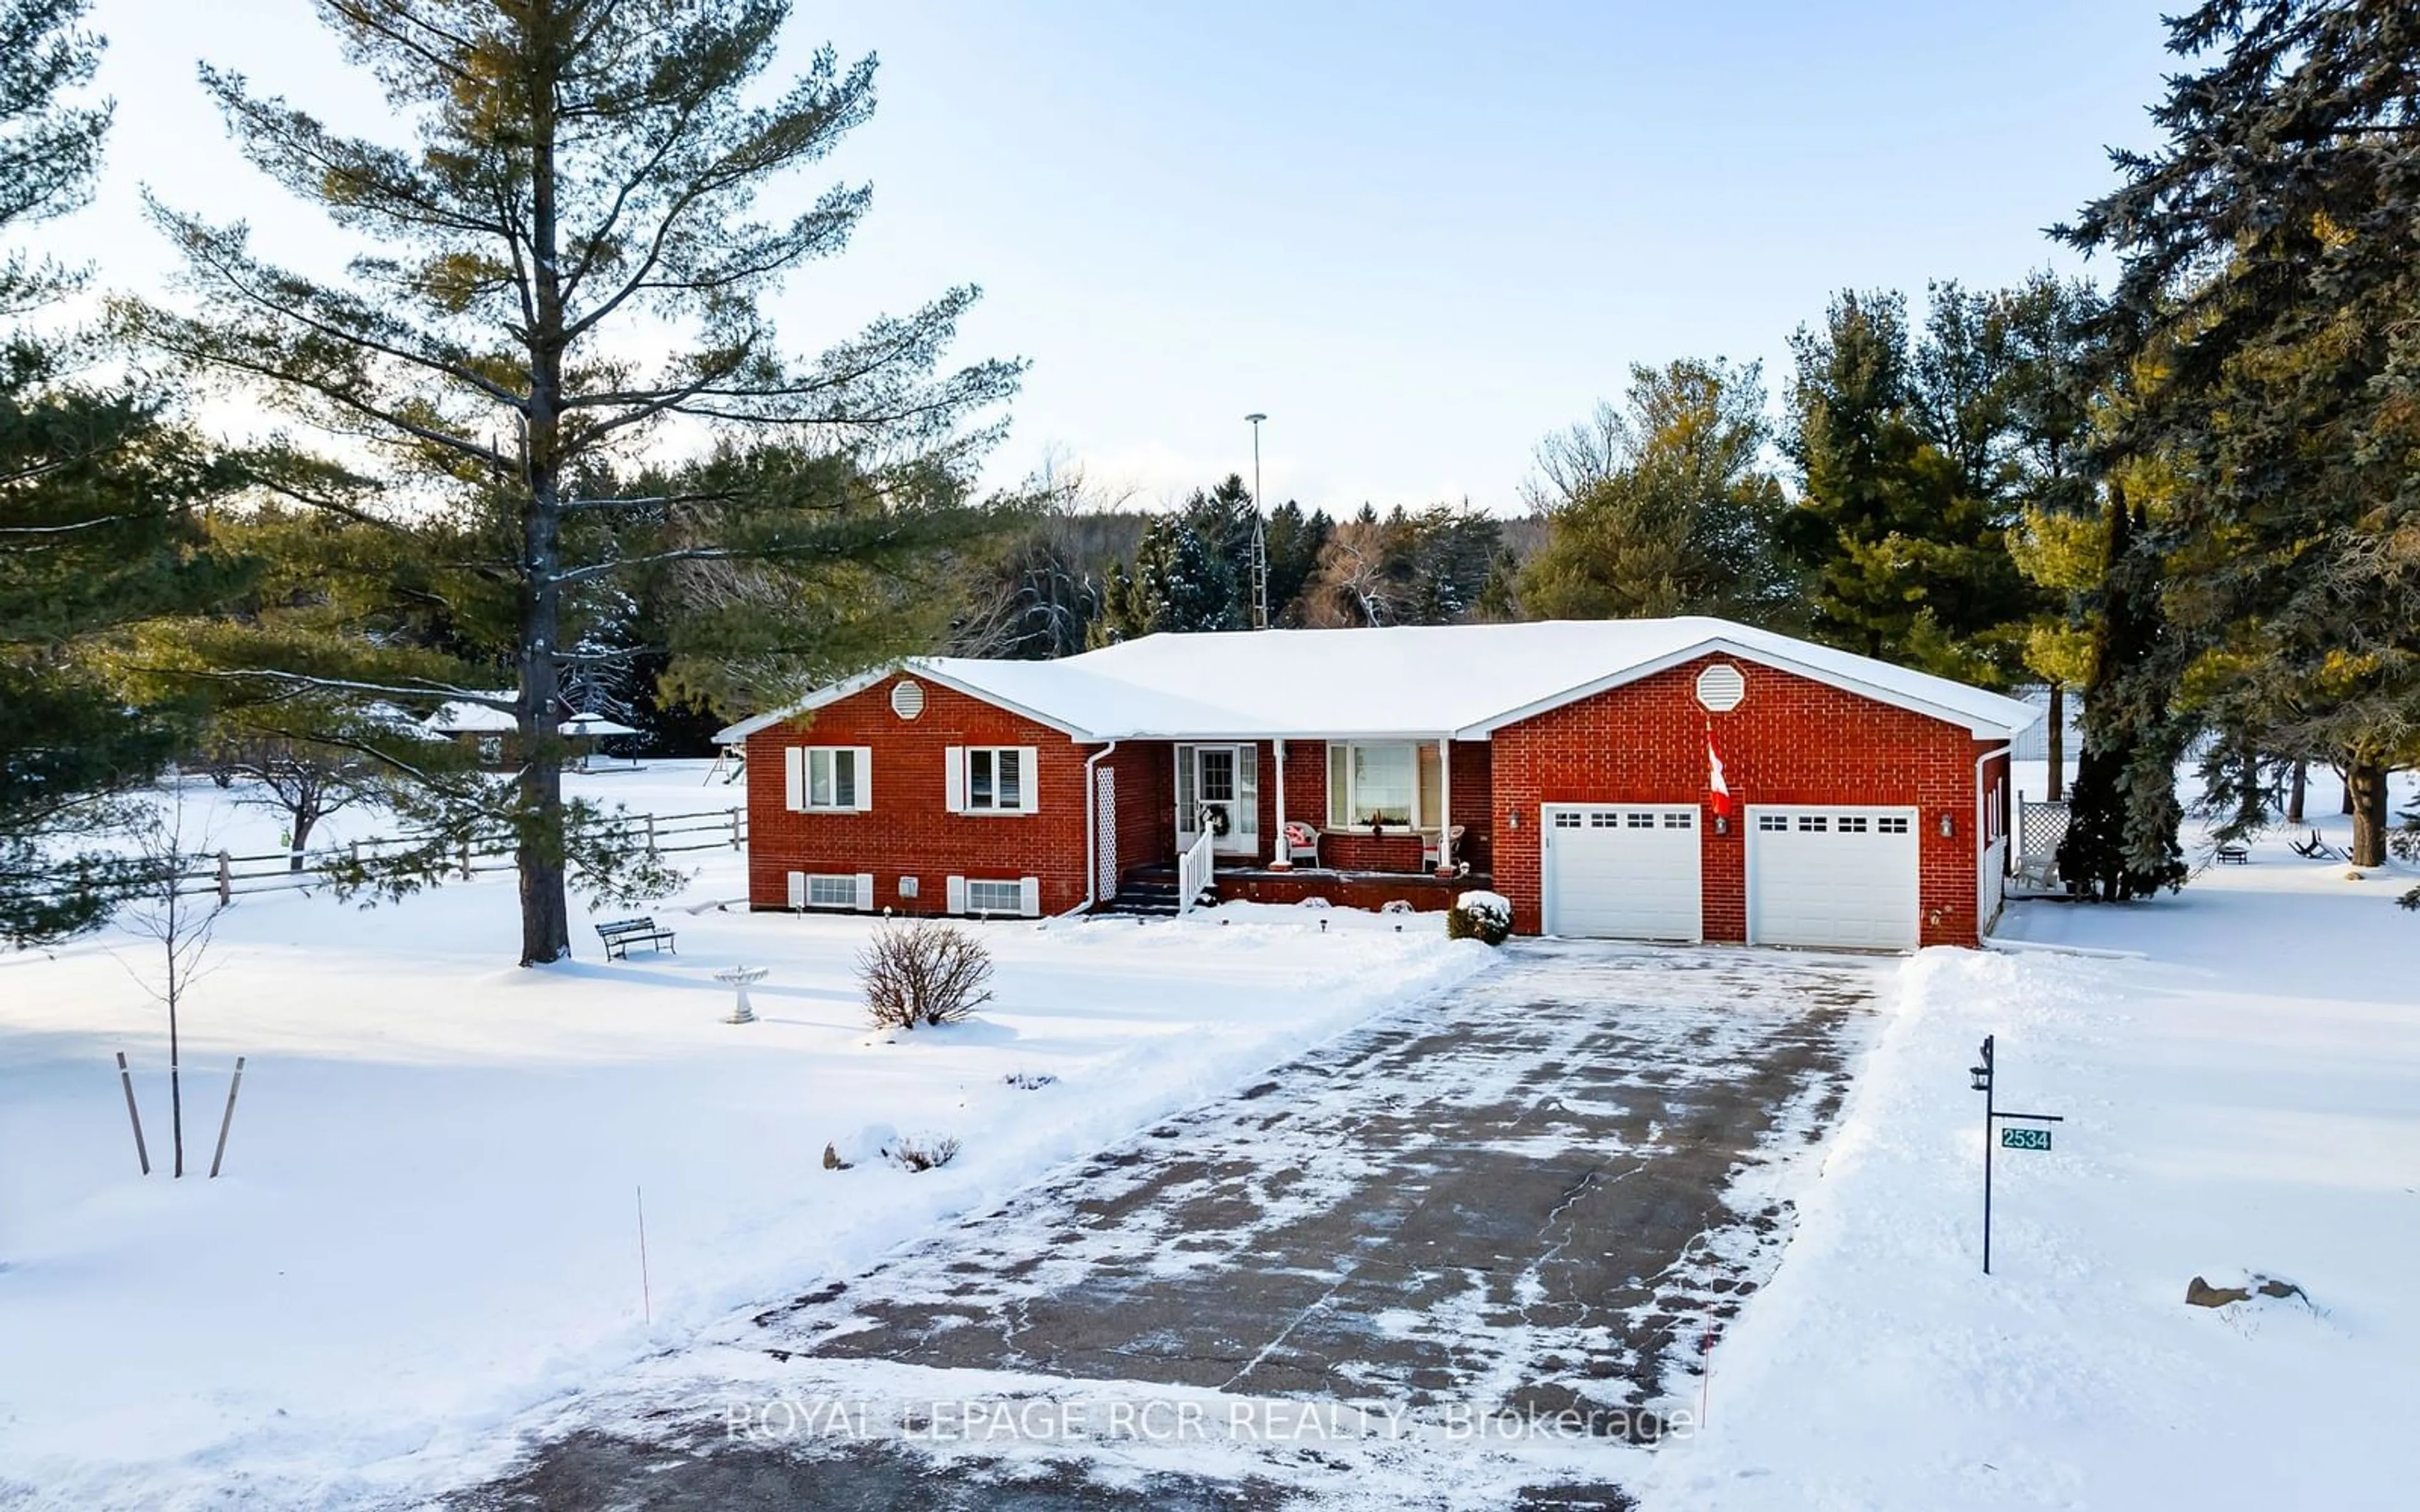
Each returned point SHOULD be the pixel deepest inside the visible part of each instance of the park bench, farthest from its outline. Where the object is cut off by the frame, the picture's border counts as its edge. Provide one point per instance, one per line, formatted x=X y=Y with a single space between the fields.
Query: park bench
x=619 y=935
x=2234 y=855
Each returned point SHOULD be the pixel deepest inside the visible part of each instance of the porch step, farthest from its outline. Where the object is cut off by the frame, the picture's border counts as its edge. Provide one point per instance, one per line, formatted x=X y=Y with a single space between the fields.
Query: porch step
x=1143 y=898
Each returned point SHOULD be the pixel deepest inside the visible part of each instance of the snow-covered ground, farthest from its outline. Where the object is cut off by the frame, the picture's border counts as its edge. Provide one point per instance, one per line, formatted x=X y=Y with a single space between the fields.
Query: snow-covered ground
x=429 y=1225
x=2243 y=1096
x=429 y=1220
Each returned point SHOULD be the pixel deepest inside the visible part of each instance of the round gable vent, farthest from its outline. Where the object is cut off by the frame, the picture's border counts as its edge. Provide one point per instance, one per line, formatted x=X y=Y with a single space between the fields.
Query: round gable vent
x=907 y=699
x=1720 y=688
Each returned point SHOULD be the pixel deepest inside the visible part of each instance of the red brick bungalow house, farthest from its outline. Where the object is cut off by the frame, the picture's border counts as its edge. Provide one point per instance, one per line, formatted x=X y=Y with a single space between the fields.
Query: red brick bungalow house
x=1568 y=766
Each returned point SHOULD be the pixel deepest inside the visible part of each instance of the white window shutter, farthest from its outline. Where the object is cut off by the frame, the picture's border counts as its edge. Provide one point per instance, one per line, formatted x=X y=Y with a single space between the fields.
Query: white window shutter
x=1029 y=897
x=798 y=890
x=865 y=892
x=864 y=779
x=793 y=777
x=954 y=896
x=953 y=781
x=1032 y=784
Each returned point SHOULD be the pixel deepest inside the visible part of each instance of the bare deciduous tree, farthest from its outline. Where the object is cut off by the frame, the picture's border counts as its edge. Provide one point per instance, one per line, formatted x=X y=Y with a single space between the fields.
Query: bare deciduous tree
x=180 y=925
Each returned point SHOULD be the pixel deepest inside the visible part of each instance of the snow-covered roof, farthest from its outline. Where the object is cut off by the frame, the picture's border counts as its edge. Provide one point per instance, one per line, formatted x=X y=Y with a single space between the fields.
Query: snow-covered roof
x=736 y=734
x=466 y=718
x=593 y=724
x=1419 y=681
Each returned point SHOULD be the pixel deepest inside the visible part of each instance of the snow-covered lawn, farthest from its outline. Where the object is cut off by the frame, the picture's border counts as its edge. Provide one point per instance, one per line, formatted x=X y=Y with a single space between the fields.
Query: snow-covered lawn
x=2243 y=1098
x=429 y=1229
x=429 y=1221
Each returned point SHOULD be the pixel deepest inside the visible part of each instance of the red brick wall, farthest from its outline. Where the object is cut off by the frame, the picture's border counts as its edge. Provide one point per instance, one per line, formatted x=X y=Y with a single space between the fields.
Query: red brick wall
x=1471 y=800
x=1353 y=850
x=1425 y=894
x=1146 y=804
x=1306 y=782
x=908 y=831
x=1792 y=740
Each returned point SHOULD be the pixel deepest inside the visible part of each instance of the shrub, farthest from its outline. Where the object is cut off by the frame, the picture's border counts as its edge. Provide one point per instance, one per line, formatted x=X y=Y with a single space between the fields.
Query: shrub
x=923 y=972
x=913 y=1156
x=1029 y=1081
x=1480 y=916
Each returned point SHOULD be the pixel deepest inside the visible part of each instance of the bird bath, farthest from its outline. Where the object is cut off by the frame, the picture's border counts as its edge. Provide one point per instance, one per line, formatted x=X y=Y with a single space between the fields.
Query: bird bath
x=739 y=978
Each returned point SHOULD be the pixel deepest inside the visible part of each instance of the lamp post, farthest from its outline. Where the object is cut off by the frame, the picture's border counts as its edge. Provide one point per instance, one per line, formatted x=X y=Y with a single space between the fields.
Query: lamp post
x=1259 y=538
x=1255 y=418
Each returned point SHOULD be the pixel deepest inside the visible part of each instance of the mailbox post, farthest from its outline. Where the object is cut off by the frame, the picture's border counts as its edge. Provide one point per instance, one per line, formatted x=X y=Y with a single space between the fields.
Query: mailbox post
x=2018 y=1139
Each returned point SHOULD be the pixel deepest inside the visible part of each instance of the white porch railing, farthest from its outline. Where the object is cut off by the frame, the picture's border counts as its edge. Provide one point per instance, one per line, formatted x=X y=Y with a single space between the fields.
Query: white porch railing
x=1193 y=871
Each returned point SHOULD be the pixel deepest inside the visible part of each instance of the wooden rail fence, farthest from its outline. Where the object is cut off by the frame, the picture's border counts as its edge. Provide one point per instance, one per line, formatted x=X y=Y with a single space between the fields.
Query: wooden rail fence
x=230 y=876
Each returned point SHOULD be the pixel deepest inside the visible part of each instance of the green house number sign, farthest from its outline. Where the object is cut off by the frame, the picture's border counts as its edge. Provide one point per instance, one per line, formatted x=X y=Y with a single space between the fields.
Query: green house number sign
x=2016 y=1138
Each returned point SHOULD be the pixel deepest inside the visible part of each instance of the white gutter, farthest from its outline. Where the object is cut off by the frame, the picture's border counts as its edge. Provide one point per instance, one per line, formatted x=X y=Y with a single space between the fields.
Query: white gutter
x=1092 y=841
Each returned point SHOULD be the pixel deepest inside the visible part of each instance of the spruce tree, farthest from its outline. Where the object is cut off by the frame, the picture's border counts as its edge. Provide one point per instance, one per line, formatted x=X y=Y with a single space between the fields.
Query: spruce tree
x=2270 y=249
x=563 y=269
x=2123 y=815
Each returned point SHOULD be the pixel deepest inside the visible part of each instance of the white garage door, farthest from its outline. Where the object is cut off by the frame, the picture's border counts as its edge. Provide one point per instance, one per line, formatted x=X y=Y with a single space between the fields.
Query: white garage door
x=1623 y=871
x=1844 y=876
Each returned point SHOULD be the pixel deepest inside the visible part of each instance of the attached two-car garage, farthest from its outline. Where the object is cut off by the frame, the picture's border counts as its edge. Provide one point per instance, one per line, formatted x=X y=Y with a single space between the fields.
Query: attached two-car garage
x=1845 y=876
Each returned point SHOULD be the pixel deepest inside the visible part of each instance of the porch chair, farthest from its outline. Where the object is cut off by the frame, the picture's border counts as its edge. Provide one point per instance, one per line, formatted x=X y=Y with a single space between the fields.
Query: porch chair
x=1301 y=840
x=1437 y=850
x=2038 y=873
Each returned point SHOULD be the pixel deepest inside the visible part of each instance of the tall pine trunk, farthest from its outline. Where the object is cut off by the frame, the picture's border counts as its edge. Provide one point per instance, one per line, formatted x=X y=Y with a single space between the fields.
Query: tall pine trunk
x=2296 y=789
x=546 y=916
x=2058 y=732
x=2366 y=789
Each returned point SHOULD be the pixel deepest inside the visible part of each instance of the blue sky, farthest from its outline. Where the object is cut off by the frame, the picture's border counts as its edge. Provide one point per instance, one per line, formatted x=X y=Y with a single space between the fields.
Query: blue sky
x=1418 y=236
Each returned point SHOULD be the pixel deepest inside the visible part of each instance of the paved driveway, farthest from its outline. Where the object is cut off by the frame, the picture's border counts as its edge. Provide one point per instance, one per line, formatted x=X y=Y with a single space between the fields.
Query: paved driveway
x=1535 y=1195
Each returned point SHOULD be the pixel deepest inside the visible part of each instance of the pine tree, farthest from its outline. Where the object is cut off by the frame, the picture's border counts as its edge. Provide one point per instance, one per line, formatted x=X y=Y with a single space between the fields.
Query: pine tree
x=1192 y=569
x=99 y=497
x=1295 y=542
x=2055 y=539
x=568 y=263
x=1905 y=501
x=1664 y=506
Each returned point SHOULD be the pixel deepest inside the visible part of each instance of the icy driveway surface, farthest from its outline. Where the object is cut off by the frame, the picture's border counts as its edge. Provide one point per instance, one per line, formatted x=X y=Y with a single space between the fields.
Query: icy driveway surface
x=1534 y=1195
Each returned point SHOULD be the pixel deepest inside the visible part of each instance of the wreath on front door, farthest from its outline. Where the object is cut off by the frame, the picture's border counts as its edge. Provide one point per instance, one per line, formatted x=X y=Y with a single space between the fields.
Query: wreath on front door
x=1215 y=820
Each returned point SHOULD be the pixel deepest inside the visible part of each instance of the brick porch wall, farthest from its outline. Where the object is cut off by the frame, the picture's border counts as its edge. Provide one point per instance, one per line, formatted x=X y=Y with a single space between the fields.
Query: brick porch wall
x=1792 y=740
x=1146 y=804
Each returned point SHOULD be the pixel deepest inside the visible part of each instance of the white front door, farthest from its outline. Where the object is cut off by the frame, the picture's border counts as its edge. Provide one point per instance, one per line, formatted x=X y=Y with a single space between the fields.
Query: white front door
x=1219 y=786
x=1832 y=874
x=1623 y=871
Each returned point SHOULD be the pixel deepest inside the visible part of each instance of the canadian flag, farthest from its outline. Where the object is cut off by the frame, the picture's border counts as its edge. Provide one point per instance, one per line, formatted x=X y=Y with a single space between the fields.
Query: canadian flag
x=1719 y=789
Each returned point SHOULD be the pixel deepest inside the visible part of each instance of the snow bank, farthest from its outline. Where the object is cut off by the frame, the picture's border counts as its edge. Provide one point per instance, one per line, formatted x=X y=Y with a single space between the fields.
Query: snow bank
x=2245 y=1098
